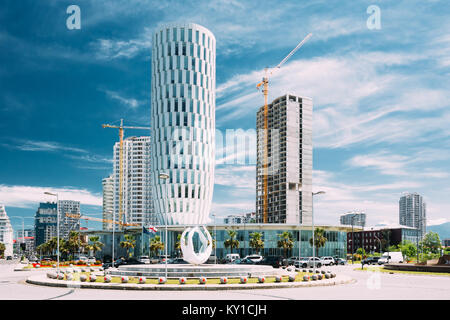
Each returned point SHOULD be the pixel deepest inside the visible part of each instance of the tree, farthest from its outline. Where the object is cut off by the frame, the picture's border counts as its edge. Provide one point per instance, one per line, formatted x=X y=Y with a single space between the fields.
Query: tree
x=156 y=244
x=128 y=244
x=256 y=241
x=96 y=245
x=2 y=249
x=320 y=239
x=431 y=242
x=408 y=249
x=178 y=245
x=286 y=242
x=231 y=242
x=74 y=243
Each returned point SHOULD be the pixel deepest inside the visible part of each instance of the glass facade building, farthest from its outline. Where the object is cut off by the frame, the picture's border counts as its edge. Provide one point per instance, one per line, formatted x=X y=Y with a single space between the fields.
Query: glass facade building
x=336 y=244
x=183 y=122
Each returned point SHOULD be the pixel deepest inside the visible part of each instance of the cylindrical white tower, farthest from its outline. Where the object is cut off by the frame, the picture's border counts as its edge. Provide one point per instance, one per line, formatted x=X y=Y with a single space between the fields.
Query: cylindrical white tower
x=183 y=122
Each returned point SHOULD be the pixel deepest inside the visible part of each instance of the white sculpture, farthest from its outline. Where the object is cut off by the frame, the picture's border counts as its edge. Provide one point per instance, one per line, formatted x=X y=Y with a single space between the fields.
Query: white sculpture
x=187 y=246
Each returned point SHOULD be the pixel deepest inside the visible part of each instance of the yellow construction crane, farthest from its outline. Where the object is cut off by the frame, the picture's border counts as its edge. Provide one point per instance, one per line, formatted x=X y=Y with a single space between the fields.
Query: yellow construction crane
x=265 y=83
x=78 y=216
x=121 y=131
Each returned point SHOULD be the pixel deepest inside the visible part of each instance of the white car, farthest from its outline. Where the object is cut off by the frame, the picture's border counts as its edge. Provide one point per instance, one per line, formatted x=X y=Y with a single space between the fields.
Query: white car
x=328 y=261
x=91 y=260
x=144 y=259
x=254 y=257
x=231 y=257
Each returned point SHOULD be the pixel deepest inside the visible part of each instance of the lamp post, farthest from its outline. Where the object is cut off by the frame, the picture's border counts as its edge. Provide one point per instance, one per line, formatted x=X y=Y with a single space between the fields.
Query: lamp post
x=312 y=219
x=215 y=239
x=165 y=176
x=57 y=228
x=417 y=238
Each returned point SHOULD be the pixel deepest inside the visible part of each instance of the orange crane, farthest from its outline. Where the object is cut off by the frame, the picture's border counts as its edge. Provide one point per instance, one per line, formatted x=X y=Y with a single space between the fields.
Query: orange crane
x=79 y=216
x=265 y=83
x=121 y=131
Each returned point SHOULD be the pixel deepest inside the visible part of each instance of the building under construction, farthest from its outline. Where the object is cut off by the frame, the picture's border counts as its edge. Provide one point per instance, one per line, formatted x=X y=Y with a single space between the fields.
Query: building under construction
x=289 y=161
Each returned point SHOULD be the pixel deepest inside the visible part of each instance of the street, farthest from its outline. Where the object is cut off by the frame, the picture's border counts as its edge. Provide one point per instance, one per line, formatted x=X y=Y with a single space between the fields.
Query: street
x=368 y=286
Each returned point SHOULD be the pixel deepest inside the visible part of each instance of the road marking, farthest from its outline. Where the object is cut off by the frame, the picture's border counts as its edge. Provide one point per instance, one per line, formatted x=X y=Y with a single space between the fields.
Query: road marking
x=62 y=295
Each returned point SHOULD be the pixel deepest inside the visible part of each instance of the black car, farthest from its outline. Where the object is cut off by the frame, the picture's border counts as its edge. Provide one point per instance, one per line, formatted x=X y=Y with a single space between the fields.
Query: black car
x=274 y=261
x=371 y=260
x=121 y=262
x=176 y=261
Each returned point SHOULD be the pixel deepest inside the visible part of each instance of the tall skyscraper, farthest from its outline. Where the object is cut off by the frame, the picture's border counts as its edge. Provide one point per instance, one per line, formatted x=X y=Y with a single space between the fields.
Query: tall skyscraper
x=66 y=223
x=137 y=196
x=6 y=232
x=289 y=154
x=183 y=122
x=412 y=212
x=108 y=201
x=45 y=222
x=358 y=217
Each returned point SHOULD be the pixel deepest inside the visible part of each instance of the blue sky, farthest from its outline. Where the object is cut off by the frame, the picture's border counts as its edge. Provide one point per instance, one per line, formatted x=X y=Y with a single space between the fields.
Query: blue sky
x=381 y=97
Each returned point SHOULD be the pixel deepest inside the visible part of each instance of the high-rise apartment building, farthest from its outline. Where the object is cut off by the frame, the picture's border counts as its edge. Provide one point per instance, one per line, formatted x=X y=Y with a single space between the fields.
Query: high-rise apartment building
x=412 y=212
x=108 y=201
x=136 y=186
x=6 y=232
x=355 y=218
x=45 y=222
x=68 y=223
x=289 y=156
x=183 y=122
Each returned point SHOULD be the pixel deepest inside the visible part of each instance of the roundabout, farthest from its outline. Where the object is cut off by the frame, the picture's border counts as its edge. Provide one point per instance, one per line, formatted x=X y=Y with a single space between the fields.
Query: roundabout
x=103 y=280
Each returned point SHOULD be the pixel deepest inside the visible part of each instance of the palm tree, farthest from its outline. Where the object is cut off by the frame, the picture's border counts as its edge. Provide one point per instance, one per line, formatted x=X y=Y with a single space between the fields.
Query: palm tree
x=178 y=245
x=231 y=242
x=256 y=241
x=2 y=249
x=319 y=239
x=96 y=245
x=128 y=243
x=74 y=243
x=156 y=244
x=286 y=242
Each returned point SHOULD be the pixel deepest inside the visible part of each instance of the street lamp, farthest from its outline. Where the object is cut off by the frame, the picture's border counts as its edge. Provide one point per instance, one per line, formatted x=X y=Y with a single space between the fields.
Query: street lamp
x=23 y=226
x=215 y=239
x=57 y=227
x=312 y=218
x=165 y=176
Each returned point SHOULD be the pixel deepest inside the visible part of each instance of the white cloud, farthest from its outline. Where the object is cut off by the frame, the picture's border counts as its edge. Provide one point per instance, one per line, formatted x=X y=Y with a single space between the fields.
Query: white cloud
x=131 y=103
x=30 y=196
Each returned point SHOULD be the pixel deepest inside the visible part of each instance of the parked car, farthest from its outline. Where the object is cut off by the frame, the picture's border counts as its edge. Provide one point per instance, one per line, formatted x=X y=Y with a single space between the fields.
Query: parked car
x=92 y=260
x=308 y=262
x=371 y=260
x=9 y=257
x=212 y=260
x=144 y=259
x=340 y=261
x=120 y=262
x=176 y=261
x=243 y=261
x=290 y=261
x=274 y=261
x=328 y=261
x=391 y=257
x=254 y=257
x=229 y=258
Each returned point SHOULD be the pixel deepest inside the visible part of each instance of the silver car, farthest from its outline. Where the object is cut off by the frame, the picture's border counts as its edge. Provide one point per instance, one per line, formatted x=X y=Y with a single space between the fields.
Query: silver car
x=308 y=262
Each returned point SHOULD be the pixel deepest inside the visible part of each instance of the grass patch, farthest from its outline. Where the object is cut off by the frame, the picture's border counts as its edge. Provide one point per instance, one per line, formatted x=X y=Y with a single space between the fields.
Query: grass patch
x=381 y=269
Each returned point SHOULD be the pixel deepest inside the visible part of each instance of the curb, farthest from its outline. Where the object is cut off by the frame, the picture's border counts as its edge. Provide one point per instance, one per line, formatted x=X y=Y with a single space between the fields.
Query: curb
x=44 y=281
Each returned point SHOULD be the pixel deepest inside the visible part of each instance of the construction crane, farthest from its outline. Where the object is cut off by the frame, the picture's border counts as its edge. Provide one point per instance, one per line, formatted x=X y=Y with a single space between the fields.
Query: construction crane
x=265 y=84
x=78 y=216
x=121 y=131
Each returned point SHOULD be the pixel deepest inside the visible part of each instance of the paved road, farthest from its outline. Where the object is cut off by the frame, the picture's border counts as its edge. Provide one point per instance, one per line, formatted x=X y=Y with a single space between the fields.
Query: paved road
x=369 y=286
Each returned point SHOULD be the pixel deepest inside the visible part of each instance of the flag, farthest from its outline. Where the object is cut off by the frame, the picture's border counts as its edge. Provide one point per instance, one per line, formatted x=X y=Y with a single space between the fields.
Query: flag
x=150 y=230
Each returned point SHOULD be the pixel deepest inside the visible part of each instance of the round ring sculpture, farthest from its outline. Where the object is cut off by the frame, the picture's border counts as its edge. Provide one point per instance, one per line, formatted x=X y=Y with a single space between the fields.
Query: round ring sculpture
x=187 y=246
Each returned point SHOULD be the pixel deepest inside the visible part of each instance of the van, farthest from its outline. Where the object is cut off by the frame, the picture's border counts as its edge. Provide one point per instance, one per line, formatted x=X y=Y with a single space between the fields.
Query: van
x=231 y=257
x=391 y=257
